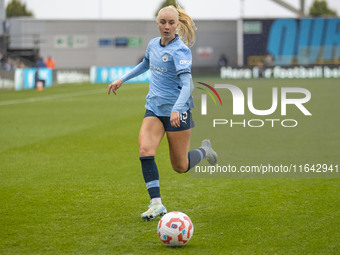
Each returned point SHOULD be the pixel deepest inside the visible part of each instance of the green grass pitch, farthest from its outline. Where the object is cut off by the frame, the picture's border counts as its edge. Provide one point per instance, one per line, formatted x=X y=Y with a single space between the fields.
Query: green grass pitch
x=71 y=183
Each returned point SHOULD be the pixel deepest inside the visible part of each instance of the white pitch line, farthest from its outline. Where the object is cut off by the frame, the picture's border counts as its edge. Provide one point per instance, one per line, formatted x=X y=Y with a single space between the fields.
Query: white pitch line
x=47 y=98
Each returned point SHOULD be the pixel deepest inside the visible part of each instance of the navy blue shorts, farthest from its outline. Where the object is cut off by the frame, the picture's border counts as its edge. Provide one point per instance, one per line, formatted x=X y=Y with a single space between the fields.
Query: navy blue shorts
x=186 y=121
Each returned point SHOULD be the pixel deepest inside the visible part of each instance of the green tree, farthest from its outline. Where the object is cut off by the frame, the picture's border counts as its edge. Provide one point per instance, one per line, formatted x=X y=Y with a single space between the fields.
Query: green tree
x=320 y=9
x=16 y=9
x=167 y=3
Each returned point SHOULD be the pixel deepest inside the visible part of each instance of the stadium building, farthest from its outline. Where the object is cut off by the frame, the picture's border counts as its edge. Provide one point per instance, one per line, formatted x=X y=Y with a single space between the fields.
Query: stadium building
x=79 y=45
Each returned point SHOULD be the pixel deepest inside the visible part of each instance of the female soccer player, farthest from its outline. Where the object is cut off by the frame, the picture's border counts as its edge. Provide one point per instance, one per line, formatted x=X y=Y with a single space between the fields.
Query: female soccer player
x=168 y=102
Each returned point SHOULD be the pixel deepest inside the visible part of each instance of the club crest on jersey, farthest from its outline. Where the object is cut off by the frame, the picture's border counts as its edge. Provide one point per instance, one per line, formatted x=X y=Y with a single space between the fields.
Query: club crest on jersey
x=165 y=58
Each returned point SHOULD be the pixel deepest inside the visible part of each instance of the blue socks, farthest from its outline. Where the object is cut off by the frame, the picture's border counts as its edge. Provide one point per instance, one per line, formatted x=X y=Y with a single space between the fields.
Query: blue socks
x=151 y=177
x=150 y=170
x=195 y=156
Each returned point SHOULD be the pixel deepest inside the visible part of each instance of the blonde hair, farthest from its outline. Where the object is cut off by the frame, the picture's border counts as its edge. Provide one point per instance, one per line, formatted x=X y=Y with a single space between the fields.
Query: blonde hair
x=186 y=28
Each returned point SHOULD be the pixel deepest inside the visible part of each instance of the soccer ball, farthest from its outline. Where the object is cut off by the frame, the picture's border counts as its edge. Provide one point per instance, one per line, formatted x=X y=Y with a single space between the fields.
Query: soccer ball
x=175 y=229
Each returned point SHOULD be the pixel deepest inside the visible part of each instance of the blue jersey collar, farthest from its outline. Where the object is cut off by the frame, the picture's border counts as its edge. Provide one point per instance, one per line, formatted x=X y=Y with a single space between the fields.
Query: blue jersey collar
x=173 y=40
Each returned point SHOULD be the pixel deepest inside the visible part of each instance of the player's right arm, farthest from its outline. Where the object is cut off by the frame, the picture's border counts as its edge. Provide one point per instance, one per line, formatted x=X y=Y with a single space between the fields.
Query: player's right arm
x=137 y=70
x=114 y=86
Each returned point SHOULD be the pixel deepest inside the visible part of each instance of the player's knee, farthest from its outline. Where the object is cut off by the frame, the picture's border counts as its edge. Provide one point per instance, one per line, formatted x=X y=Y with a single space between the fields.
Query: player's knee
x=145 y=151
x=180 y=168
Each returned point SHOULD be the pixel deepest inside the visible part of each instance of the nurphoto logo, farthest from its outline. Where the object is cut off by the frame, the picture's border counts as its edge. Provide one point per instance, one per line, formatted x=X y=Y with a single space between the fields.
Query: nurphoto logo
x=239 y=99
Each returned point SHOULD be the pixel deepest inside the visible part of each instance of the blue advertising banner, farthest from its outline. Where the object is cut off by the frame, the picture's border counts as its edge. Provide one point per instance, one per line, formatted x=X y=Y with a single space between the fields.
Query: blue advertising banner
x=292 y=41
x=25 y=78
x=110 y=74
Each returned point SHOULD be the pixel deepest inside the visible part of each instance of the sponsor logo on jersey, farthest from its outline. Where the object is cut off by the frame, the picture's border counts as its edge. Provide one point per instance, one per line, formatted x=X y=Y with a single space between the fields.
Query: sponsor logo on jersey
x=185 y=62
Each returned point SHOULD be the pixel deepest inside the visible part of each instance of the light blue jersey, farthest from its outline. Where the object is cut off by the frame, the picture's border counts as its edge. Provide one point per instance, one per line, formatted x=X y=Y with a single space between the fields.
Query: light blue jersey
x=170 y=84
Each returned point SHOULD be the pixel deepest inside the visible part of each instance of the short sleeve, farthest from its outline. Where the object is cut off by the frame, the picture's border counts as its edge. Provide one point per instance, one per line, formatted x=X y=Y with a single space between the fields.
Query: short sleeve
x=183 y=60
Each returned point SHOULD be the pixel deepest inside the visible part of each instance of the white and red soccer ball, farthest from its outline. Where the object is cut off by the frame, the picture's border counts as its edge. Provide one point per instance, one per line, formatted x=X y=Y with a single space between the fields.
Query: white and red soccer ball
x=175 y=229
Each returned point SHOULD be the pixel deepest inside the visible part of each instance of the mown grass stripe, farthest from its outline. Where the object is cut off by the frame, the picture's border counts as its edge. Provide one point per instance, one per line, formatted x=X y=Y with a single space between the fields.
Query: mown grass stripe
x=48 y=98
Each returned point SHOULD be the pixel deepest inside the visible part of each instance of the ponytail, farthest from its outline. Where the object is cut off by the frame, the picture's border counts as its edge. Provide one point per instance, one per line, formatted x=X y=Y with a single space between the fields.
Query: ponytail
x=187 y=27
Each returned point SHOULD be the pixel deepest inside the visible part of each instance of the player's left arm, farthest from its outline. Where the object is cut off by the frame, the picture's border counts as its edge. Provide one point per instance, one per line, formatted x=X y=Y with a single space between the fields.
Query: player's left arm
x=182 y=60
x=182 y=99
